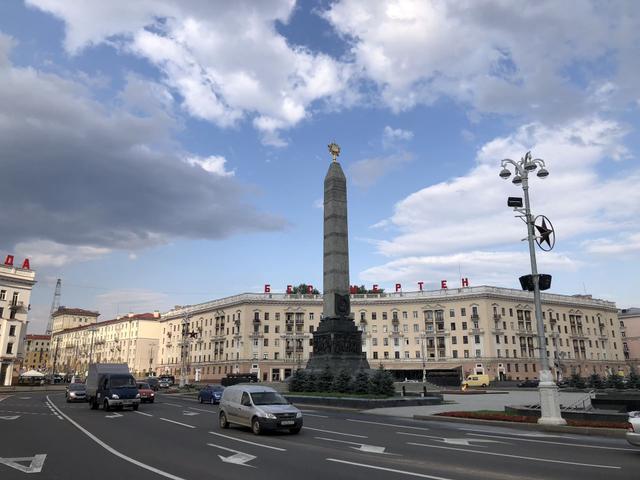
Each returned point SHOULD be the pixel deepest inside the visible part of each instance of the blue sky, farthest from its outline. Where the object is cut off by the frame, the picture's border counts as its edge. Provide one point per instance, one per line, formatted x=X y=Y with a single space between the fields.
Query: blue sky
x=160 y=153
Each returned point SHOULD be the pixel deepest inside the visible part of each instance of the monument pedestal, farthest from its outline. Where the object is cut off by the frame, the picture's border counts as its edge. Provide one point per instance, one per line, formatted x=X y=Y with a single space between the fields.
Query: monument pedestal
x=337 y=343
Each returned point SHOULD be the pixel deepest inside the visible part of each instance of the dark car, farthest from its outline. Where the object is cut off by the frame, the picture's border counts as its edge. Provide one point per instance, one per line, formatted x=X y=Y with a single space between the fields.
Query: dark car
x=154 y=383
x=210 y=394
x=529 y=384
x=76 y=392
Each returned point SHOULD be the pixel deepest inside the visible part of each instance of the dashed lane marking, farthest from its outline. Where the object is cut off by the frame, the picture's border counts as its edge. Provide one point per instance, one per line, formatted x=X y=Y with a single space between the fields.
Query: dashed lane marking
x=535 y=459
x=336 y=433
x=25 y=413
x=555 y=443
x=385 y=469
x=49 y=404
x=174 y=404
x=389 y=424
x=250 y=443
x=142 y=413
x=203 y=410
x=177 y=423
x=116 y=452
x=314 y=415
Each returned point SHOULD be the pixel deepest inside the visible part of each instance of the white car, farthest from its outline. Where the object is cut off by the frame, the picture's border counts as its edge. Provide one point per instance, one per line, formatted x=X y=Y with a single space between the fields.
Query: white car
x=633 y=429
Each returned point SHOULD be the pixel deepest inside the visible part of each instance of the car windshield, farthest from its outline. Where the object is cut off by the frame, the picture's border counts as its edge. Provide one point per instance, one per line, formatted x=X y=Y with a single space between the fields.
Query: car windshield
x=144 y=386
x=268 y=398
x=76 y=386
x=122 y=381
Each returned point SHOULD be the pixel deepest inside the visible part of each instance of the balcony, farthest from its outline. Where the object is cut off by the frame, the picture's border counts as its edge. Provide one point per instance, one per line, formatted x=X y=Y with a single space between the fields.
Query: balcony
x=497 y=317
x=475 y=317
x=477 y=331
x=525 y=332
x=18 y=306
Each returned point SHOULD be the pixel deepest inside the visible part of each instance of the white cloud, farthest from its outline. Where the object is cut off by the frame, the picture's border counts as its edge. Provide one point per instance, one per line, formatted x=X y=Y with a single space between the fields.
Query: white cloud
x=120 y=302
x=212 y=164
x=469 y=213
x=46 y=253
x=225 y=62
x=365 y=173
x=392 y=135
x=628 y=243
x=494 y=56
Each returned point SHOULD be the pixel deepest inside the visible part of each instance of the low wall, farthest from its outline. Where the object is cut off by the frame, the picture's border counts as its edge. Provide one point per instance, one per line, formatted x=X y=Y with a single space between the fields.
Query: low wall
x=365 y=403
x=592 y=415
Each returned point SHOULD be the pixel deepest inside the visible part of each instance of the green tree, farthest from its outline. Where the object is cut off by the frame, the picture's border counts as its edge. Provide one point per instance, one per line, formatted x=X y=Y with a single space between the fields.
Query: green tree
x=303 y=289
x=310 y=382
x=633 y=381
x=382 y=383
x=342 y=382
x=362 y=382
x=325 y=380
x=298 y=381
x=576 y=381
x=595 y=381
x=362 y=290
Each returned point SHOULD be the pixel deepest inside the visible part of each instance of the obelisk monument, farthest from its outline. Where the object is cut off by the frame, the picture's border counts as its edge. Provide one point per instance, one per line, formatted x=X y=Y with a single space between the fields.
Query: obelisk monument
x=337 y=342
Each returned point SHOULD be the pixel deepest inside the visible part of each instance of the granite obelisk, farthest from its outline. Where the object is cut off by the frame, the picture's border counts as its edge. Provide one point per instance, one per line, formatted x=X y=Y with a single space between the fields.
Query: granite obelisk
x=337 y=342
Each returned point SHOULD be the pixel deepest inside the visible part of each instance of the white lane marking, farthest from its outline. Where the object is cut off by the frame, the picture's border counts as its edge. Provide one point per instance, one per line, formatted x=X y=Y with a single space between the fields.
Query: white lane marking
x=187 y=413
x=389 y=424
x=502 y=430
x=114 y=451
x=142 y=413
x=547 y=460
x=11 y=417
x=556 y=443
x=238 y=458
x=363 y=447
x=453 y=441
x=51 y=406
x=314 y=415
x=203 y=410
x=114 y=415
x=35 y=464
x=4 y=397
x=402 y=472
x=24 y=398
x=250 y=443
x=175 y=405
x=177 y=423
x=336 y=433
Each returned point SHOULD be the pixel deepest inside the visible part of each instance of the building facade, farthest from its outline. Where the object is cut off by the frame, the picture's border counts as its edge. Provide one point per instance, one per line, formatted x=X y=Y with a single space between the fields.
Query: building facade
x=65 y=318
x=36 y=352
x=131 y=339
x=15 y=293
x=467 y=330
x=630 y=327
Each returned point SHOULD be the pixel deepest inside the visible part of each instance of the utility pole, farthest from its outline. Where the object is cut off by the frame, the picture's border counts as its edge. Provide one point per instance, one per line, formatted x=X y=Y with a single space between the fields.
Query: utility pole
x=185 y=349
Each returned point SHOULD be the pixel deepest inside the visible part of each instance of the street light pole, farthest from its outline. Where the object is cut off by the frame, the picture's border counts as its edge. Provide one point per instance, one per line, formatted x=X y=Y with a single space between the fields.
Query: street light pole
x=424 y=358
x=549 y=397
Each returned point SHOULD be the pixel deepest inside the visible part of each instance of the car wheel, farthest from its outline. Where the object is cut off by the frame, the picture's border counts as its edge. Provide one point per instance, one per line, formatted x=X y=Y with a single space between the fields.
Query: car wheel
x=484 y=385
x=223 y=420
x=135 y=406
x=105 y=405
x=295 y=430
x=256 y=428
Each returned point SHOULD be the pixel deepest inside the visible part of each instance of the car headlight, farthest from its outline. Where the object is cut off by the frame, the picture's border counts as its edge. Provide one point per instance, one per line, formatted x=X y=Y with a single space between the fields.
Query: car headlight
x=137 y=395
x=152 y=394
x=299 y=415
x=270 y=415
x=115 y=397
x=71 y=394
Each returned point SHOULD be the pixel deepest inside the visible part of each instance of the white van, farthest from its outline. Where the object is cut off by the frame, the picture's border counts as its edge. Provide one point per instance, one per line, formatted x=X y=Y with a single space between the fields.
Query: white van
x=261 y=408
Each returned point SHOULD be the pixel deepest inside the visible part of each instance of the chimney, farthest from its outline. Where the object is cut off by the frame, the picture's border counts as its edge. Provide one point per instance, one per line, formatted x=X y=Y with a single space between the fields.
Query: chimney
x=156 y=314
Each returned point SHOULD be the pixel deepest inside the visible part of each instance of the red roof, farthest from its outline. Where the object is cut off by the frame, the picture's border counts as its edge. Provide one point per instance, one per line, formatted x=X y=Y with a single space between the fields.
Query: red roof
x=75 y=311
x=38 y=337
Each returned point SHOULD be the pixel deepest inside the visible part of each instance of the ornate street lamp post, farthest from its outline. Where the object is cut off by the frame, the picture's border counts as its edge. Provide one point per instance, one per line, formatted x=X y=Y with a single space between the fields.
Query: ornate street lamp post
x=549 y=398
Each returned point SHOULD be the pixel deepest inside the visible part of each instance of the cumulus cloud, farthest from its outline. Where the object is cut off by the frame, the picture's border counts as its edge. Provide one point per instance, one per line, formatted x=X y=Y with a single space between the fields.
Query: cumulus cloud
x=469 y=214
x=627 y=243
x=45 y=253
x=225 y=60
x=495 y=57
x=390 y=136
x=81 y=179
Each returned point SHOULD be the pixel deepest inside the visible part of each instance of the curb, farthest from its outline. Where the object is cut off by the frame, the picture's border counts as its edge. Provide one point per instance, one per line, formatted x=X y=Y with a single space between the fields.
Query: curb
x=591 y=431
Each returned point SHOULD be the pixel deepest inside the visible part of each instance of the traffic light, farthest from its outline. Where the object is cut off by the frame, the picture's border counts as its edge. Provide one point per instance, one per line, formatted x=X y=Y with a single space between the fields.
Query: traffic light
x=544 y=282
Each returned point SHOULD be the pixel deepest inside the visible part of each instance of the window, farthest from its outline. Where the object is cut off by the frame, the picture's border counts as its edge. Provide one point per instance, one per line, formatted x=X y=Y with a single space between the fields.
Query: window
x=416 y=327
x=454 y=340
x=374 y=316
x=375 y=355
x=464 y=325
x=385 y=341
x=463 y=312
x=466 y=354
x=363 y=315
x=386 y=355
x=453 y=326
x=266 y=315
x=476 y=339
x=478 y=354
x=12 y=331
x=266 y=342
x=397 y=355
x=374 y=341
x=465 y=339
x=455 y=354
x=9 y=348
x=384 y=315
x=452 y=313
x=266 y=328
x=3 y=294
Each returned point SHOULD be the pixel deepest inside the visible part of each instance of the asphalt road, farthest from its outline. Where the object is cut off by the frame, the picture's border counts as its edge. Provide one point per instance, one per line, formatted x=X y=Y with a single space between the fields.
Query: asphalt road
x=178 y=438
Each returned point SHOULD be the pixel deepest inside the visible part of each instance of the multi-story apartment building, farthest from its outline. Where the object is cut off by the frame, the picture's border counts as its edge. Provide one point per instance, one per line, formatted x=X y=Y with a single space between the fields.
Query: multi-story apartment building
x=15 y=291
x=474 y=329
x=131 y=339
x=36 y=352
x=630 y=329
x=65 y=318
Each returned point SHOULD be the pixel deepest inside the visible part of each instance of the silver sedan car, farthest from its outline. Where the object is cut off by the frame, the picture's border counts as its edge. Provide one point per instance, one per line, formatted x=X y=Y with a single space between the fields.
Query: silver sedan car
x=633 y=429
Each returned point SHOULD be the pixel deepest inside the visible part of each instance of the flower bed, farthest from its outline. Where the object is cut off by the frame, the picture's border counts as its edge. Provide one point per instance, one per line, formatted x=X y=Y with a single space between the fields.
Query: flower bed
x=506 y=417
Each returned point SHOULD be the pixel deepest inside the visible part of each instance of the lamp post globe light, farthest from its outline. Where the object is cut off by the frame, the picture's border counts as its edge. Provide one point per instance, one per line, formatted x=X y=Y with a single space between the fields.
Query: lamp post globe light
x=549 y=398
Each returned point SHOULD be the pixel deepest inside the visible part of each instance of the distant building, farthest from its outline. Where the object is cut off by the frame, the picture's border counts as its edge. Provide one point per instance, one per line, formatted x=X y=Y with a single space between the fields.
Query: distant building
x=448 y=332
x=15 y=292
x=630 y=328
x=131 y=339
x=36 y=352
x=65 y=318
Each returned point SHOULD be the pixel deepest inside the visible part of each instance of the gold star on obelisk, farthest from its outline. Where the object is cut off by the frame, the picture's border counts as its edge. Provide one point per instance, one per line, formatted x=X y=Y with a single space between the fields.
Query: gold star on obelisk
x=334 y=150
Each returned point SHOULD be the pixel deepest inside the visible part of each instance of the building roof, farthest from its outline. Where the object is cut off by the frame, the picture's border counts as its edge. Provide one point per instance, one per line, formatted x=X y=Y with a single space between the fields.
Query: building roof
x=125 y=318
x=629 y=312
x=38 y=337
x=75 y=311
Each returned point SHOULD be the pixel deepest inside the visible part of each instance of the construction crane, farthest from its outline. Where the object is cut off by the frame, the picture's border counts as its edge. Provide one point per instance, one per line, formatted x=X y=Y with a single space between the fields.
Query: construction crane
x=54 y=305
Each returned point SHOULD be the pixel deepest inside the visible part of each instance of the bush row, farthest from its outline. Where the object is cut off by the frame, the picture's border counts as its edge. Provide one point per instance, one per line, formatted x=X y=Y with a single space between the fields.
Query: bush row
x=379 y=383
